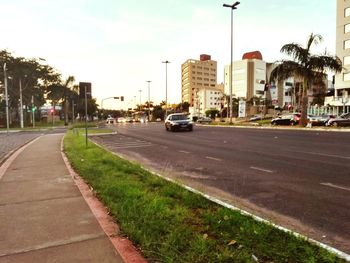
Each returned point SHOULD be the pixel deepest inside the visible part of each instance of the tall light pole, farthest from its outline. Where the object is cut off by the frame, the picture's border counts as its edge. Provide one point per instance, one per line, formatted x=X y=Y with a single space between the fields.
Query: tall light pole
x=6 y=101
x=140 y=90
x=149 y=110
x=166 y=87
x=21 y=103
x=233 y=7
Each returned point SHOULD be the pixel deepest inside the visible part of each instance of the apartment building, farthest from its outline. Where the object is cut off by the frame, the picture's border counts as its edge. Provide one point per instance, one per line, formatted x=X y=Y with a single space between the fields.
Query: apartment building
x=208 y=99
x=341 y=99
x=197 y=75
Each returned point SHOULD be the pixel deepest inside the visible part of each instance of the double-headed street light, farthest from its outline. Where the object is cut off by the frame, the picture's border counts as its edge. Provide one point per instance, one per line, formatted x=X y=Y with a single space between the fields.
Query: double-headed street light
x=233 y=7
x=166 y=87
x=149 y=104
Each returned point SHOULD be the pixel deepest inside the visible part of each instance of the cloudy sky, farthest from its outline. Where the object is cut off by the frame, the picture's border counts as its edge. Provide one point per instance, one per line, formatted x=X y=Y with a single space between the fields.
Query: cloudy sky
x=120 y=44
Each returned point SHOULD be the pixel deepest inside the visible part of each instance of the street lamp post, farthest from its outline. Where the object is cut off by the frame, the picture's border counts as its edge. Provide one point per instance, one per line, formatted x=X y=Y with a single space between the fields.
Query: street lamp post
x=140 y=90
x=6 y=101
x=166 y=87
x=233 y=7
x=149 y=110
x=21 y=103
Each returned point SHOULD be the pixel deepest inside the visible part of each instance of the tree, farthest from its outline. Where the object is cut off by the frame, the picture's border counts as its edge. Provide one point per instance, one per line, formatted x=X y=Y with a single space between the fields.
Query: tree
x=310 y=68
x=212 y=113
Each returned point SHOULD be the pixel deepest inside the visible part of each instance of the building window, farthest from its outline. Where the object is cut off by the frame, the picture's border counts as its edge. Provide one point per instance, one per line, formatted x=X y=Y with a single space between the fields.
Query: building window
x=347 y=28
x=347 y=44
x=347 y=12
x=347 y=60
x=346 y=76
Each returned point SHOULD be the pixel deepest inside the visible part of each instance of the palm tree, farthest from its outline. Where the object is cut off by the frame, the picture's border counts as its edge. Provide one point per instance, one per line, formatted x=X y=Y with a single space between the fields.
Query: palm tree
x=306 y=66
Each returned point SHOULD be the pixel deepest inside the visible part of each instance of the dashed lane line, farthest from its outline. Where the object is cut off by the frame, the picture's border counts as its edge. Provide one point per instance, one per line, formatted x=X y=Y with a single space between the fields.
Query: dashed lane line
x=261 y=169
x=336 y=186
x=185 y=152
x=213 y=158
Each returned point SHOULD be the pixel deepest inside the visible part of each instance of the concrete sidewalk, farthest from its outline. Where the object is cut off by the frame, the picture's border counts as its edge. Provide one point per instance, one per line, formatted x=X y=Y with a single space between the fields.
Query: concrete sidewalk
x=43 y=216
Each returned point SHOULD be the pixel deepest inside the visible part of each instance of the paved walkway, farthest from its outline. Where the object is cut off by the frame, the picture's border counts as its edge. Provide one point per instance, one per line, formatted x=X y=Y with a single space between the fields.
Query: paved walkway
x=43 y=216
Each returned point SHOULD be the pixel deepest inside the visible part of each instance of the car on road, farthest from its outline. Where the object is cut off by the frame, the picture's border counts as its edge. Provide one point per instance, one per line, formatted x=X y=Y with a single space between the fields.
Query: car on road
x=178 y=121
x=110 y=120
x=206 y=120
x=342 y=120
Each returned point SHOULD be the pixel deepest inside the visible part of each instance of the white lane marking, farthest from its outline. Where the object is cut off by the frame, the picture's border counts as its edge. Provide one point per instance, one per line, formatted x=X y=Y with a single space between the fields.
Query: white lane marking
x=261 y=169
x=185 y=152
x=133 y=146
x=336 y=186
x=330 y=155
x=212 y=158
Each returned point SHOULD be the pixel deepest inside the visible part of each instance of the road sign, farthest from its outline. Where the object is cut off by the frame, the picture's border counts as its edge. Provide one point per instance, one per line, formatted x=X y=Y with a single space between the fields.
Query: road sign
x=82 y=86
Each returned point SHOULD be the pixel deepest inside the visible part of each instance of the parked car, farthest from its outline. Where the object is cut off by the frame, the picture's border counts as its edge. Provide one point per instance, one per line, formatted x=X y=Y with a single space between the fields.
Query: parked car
x=320 y=120
x=342 y=120
x=256 y=118
x=178 y=121
x=204 y=120
x=290 y=119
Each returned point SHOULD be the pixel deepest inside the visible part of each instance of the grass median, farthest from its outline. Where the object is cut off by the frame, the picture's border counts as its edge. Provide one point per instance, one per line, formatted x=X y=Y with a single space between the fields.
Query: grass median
x=171 y=224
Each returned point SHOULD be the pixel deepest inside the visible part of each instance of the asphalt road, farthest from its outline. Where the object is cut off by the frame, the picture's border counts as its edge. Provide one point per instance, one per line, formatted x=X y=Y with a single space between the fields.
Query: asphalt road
x=298 y=179
x=15 y=139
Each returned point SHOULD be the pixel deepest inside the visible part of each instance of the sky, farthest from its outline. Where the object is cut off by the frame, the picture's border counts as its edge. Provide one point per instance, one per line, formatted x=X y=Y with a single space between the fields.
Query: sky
x=118 y=45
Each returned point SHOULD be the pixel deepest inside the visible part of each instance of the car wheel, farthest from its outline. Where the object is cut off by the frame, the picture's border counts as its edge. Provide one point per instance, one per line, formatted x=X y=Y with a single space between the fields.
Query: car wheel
x=273 y=123
x=335 y=124
x=292 y=123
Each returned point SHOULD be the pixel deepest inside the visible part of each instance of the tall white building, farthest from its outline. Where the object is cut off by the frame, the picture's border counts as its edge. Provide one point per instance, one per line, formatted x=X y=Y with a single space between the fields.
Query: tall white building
x=249 y=76
x=341 y=98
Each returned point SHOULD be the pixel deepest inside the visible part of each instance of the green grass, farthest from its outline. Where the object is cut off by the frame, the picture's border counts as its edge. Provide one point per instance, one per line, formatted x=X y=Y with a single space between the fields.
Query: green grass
x=171 y=224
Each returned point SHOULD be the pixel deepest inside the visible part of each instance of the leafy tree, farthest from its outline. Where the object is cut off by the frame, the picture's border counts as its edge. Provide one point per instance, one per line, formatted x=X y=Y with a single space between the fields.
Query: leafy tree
x=212 y=113
x=310 y=68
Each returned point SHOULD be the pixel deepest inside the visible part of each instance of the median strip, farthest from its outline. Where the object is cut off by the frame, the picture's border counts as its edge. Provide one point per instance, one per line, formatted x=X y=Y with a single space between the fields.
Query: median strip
x=171 y=224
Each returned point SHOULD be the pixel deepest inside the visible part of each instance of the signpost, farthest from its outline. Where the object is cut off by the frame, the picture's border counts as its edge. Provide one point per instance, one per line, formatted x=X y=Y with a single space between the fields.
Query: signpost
x=85 y=92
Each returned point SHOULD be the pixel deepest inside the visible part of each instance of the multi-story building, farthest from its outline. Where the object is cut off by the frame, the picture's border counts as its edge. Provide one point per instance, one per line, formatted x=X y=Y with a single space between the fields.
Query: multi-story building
x=249 y=76
x=208 y=99
x=341 y=99
x=197 y=75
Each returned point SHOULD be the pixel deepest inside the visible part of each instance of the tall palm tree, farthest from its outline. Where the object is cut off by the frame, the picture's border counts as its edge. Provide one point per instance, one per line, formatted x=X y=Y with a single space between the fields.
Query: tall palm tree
x=306 y=66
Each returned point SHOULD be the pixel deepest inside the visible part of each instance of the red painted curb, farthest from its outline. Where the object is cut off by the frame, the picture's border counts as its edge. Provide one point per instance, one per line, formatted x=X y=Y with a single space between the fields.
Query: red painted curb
x=124 y=247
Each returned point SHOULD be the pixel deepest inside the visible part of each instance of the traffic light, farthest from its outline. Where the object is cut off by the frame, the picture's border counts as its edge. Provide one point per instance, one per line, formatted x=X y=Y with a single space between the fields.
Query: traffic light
x=121 y=98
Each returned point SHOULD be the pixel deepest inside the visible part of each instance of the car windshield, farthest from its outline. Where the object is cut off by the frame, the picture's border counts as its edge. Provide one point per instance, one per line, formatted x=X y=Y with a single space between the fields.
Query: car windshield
x=178 y=117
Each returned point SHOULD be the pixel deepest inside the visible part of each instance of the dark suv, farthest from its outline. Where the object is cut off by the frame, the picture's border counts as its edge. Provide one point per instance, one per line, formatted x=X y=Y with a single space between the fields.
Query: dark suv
x=178 y=121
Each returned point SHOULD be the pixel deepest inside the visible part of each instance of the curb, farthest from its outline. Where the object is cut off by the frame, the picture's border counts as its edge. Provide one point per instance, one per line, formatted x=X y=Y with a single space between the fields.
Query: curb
x=122 y=245
x=335 y=251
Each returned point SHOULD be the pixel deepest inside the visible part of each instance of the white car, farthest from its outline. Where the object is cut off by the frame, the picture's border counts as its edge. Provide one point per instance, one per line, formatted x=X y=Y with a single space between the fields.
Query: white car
x=178 y=121
x=110 y=120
